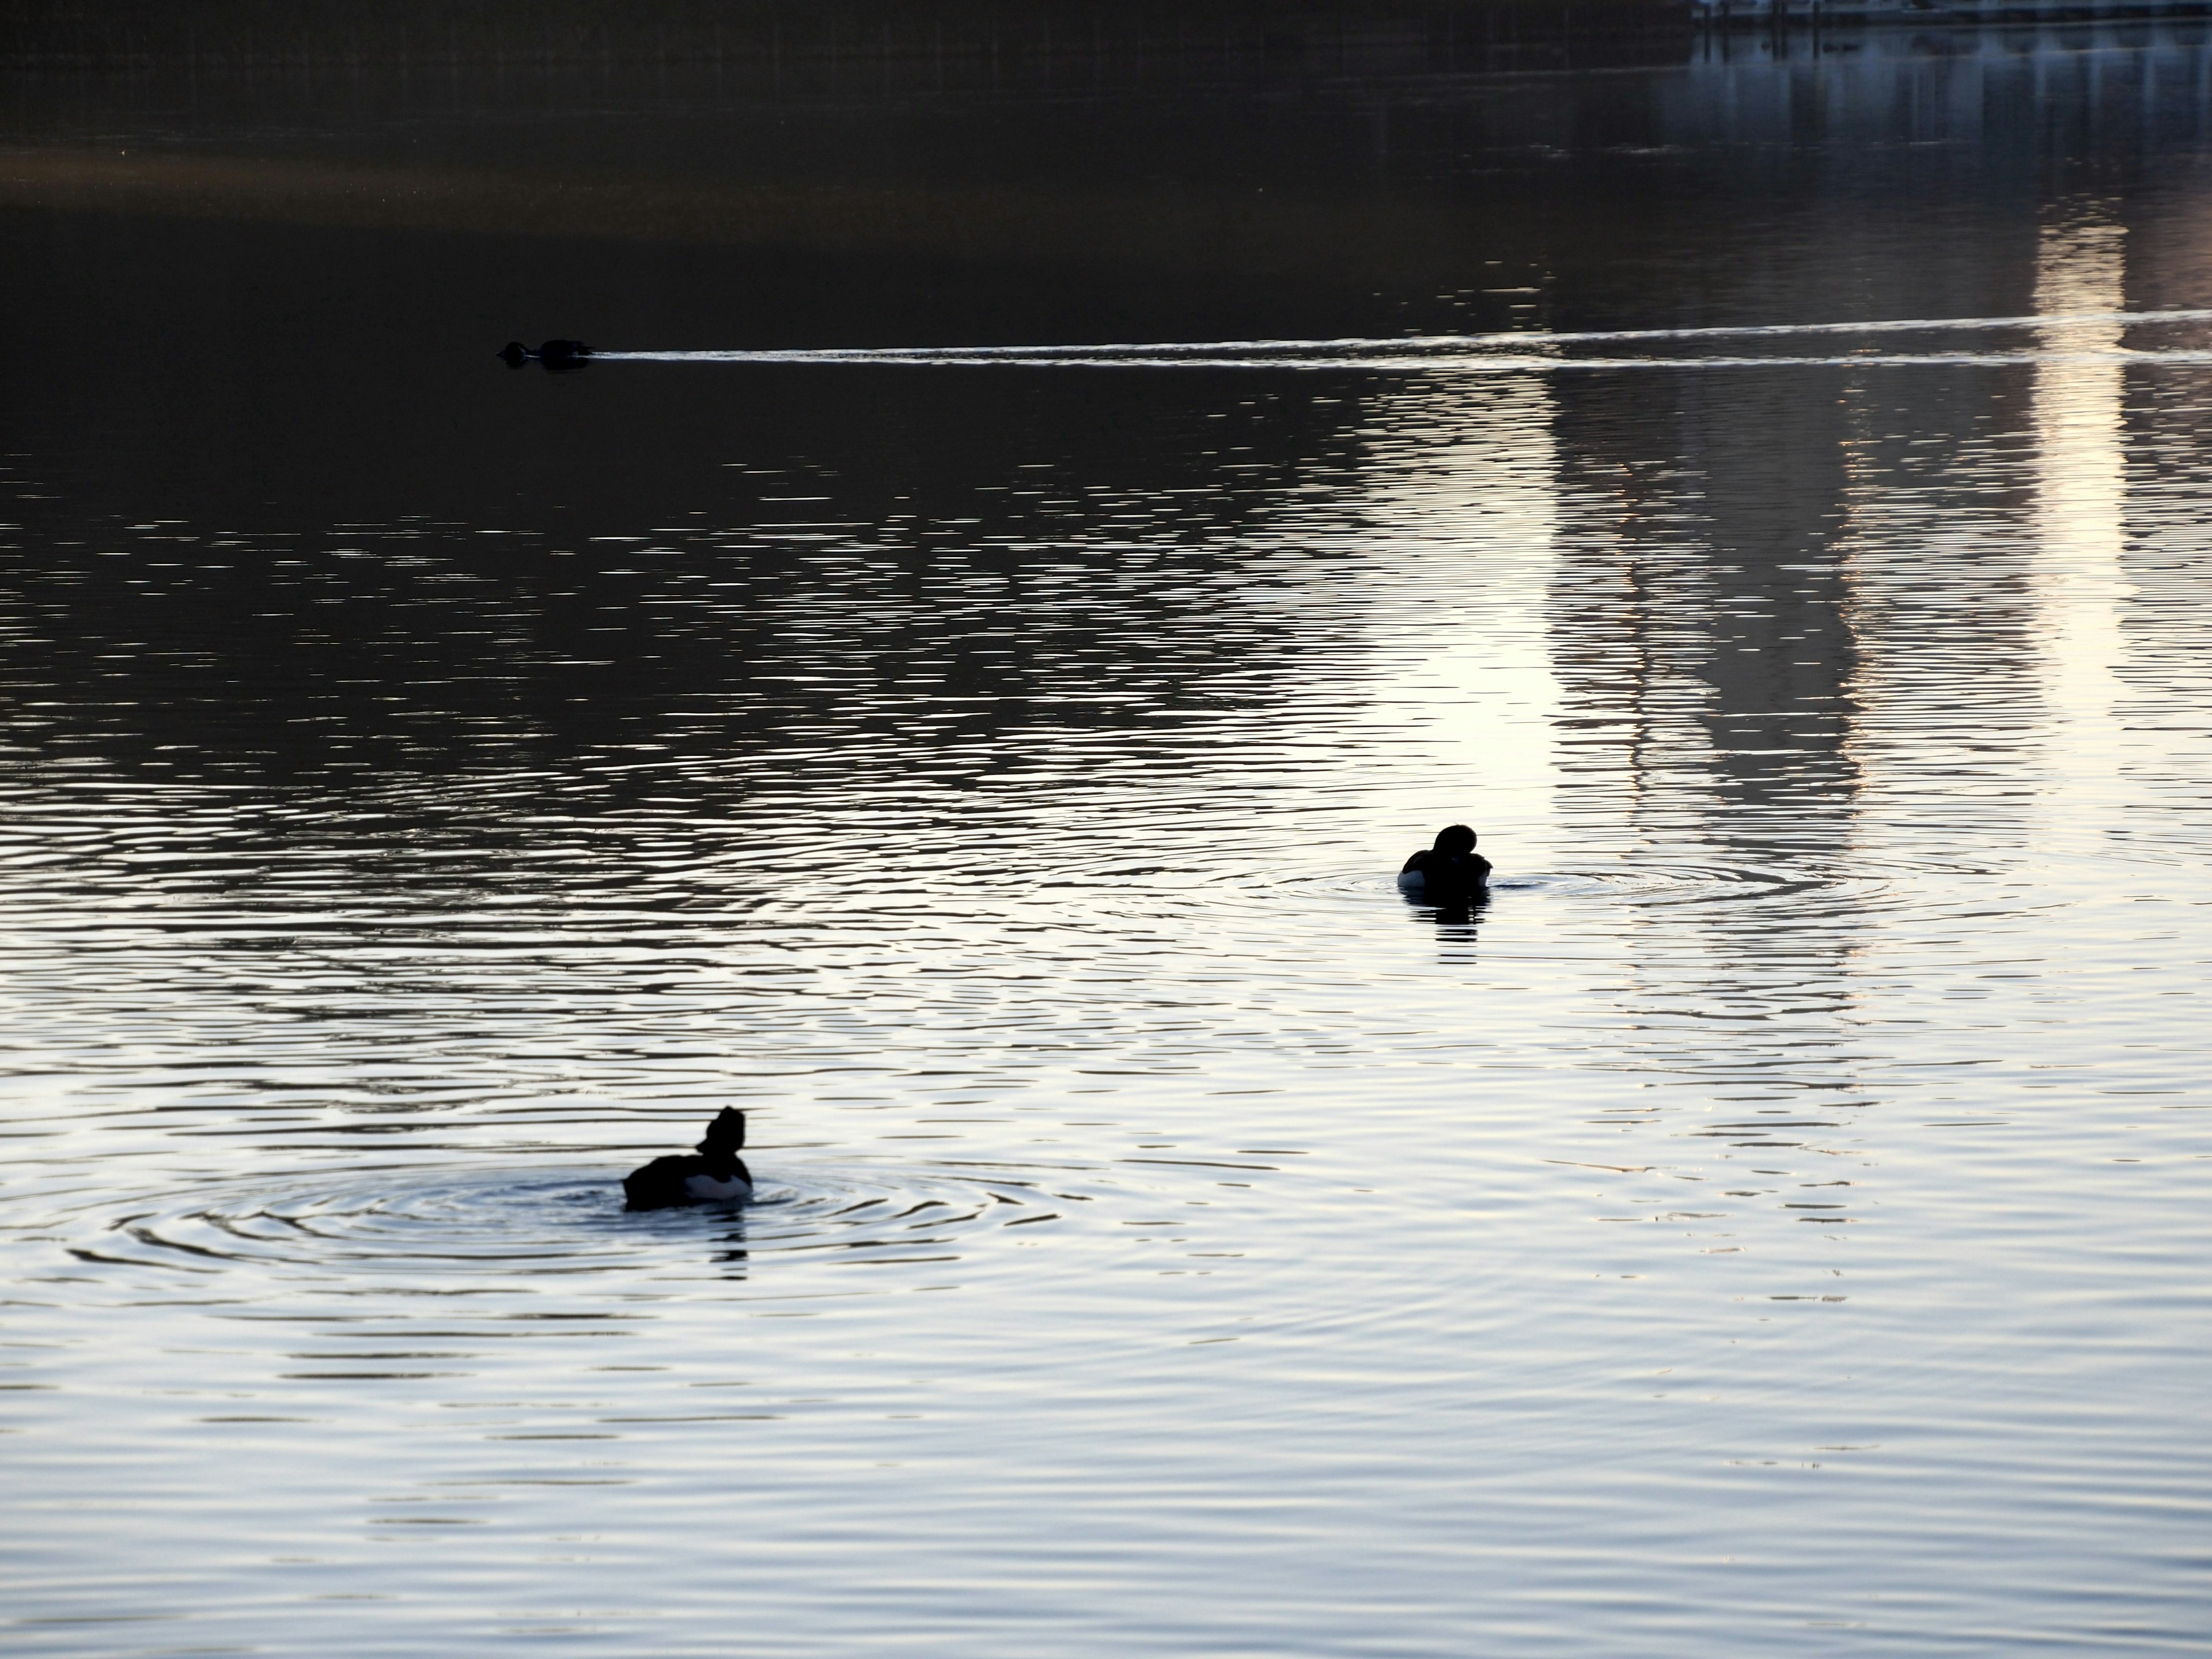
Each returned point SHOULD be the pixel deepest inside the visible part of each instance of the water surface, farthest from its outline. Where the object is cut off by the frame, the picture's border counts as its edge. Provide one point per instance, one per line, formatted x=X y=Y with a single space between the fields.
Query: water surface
x=1774 y=1220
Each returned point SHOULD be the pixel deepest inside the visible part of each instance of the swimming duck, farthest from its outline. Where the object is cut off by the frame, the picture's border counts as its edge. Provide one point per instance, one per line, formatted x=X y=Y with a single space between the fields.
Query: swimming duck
x=554 y=354
x=1451 y=869
x=714 y=1174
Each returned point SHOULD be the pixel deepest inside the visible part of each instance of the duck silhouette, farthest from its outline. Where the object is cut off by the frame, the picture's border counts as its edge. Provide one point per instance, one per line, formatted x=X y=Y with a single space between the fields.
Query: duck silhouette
x=712 y=1174
x=1451 y=872
x=554 y=354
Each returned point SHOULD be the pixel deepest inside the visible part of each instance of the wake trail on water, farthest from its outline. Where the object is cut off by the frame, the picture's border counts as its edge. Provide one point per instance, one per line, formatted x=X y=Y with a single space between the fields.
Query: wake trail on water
x=1491 y=353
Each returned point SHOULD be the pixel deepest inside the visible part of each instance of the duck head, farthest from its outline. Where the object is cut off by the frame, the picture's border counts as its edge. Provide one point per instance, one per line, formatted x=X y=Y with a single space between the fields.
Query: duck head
x=1455 y=840
x=726 y=1135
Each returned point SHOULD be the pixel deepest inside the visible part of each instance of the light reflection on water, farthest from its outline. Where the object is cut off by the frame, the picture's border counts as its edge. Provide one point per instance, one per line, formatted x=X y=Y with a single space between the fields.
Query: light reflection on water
x=1770 y=1219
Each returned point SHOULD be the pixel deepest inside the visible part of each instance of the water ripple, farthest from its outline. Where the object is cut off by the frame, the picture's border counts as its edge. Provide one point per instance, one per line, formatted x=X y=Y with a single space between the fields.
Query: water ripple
x=480 y=1225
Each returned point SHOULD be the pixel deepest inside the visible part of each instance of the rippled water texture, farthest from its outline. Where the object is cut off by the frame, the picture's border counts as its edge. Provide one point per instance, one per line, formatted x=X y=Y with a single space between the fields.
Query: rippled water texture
x=1774 y=1222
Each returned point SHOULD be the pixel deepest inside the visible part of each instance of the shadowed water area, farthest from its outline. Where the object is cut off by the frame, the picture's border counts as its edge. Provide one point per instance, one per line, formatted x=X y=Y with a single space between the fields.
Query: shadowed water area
x=1773 y=1222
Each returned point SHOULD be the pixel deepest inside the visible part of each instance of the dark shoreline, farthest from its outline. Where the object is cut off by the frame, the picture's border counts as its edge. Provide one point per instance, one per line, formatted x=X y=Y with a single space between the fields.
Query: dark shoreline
x=896 y=48
x=1402 y=34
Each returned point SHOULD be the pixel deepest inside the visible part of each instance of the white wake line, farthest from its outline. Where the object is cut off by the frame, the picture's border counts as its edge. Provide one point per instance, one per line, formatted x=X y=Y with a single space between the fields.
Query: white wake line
x=1409 y=363
x=1243 y=350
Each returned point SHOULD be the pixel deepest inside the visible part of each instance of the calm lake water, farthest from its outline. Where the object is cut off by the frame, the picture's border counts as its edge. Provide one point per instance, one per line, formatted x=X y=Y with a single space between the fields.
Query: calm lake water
x=1776 y=1221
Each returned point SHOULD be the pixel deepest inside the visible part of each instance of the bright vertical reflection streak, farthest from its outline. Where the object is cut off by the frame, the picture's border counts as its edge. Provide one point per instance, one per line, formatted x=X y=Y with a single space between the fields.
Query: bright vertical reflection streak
x=1465 y=488
x=2082 y=488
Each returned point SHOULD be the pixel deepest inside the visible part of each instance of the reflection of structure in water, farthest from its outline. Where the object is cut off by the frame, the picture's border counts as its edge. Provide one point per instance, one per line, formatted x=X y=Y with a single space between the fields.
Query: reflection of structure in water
x=1757 y=615
x=2097 y=87
x=1708 y=625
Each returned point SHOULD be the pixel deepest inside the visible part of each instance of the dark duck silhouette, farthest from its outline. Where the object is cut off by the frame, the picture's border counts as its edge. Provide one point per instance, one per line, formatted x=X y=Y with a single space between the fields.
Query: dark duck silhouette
x=554 y=354
x=1451 y=871
x=712 y=1174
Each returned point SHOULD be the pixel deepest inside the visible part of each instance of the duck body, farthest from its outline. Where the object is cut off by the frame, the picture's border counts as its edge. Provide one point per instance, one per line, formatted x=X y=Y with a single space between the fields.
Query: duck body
x=554 y=354
x=1425 y=873
x=712 y=1174
x=667 y=1184
x=733 y=1184
x=1447 y=872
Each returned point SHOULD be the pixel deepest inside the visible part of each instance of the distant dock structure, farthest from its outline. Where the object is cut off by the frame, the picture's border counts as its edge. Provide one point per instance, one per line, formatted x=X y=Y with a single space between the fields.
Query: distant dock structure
x=1724 y=13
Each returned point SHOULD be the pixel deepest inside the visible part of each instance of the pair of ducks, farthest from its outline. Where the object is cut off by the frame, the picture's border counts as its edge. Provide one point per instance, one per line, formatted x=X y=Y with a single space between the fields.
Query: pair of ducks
x=714 y=1174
